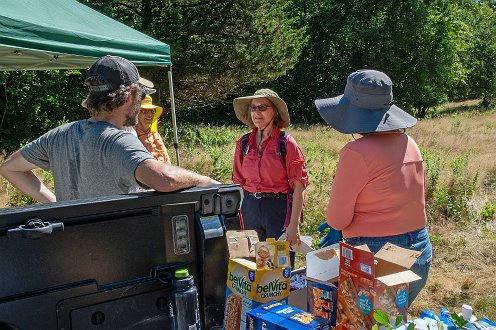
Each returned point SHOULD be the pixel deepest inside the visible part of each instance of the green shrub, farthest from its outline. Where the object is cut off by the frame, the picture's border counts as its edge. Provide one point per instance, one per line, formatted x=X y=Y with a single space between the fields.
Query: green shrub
x=433 y=165
x=488 y=212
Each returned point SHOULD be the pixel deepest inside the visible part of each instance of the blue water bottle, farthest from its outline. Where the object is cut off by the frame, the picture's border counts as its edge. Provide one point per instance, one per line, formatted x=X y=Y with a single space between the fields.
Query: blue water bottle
x=183 y=306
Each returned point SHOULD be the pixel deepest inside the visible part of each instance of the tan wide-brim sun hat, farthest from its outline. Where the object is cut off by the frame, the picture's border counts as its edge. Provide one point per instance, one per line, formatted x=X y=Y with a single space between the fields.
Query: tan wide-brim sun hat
x=241 y=105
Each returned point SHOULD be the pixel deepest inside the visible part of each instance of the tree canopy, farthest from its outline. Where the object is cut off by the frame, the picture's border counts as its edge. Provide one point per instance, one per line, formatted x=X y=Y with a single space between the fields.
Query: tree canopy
x=434 y=51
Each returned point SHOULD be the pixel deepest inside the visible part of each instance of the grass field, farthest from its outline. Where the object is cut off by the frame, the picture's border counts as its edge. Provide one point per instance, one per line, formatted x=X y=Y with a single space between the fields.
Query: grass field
x=459 y=151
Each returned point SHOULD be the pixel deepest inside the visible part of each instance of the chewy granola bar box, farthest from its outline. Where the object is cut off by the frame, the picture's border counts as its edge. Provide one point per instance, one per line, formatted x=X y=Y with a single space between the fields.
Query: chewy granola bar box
x=248 y=287
x=369 y=282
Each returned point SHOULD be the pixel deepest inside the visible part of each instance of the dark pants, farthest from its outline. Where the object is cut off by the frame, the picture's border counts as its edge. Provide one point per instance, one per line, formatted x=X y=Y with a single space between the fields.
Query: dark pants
x=266 y=216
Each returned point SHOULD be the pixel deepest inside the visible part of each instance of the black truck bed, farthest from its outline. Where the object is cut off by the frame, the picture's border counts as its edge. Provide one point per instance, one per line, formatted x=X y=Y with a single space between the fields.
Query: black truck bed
x=105 y=263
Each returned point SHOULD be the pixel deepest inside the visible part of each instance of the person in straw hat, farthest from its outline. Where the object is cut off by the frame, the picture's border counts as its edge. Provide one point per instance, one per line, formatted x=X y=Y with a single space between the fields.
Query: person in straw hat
x=147 y=130
x=270 y=167
x=378 y=191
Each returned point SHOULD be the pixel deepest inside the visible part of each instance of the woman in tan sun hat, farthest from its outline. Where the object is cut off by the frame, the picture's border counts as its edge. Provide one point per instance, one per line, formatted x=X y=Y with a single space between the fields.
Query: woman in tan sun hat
x=147 y=130
x=270 y=167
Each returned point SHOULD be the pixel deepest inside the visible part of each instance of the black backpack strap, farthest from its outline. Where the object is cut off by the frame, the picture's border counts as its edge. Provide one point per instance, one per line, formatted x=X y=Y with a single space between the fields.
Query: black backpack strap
x=283 y=137
x=245 y=146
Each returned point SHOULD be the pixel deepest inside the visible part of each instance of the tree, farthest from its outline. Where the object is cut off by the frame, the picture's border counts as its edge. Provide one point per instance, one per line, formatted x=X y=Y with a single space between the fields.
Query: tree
x=416 y=42
x=33 y=102
x=479 y=57
x=217 y=46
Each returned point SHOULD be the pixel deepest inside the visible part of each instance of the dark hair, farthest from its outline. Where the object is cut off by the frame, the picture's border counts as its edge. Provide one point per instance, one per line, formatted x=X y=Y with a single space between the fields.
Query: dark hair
x=98 y=101
x=277 y=121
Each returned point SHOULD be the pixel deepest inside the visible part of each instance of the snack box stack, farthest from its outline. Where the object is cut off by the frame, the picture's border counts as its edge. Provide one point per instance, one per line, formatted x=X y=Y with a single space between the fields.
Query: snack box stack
x=369 y=282
x=258 y=273
x=279 y=316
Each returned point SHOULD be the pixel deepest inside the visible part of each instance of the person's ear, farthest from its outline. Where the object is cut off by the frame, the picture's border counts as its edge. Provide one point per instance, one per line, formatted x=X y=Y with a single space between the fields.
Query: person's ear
x=133 y=95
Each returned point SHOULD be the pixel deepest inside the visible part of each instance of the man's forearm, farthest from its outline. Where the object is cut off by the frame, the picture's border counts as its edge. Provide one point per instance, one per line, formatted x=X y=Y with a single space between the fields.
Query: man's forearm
x=163 y=177
x=18 y=171
x=29 y=184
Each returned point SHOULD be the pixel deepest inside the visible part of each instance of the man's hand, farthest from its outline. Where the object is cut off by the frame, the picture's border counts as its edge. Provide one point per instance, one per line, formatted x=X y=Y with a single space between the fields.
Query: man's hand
x=333 y=236
x=207 y=181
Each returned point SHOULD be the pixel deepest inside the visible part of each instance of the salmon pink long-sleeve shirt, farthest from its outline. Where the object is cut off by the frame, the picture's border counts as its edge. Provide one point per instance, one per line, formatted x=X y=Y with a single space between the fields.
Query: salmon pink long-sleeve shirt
x=265 y=172
x=379 y=187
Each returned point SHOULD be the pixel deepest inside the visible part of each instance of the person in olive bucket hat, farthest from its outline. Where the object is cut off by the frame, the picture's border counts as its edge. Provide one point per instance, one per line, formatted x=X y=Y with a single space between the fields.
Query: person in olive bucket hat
x=270 y=167
x=378 y=191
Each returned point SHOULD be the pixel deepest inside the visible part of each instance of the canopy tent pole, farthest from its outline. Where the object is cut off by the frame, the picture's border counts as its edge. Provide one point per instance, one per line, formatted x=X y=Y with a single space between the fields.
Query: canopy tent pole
x=173 y=112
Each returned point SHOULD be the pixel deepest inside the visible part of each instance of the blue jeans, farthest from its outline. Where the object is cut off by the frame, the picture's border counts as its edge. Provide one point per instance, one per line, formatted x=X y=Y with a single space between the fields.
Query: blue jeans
x=415 y=240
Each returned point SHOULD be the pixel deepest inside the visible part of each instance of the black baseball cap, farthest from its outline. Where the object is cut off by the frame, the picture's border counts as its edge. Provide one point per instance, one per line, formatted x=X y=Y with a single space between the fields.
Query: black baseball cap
x=114 y=71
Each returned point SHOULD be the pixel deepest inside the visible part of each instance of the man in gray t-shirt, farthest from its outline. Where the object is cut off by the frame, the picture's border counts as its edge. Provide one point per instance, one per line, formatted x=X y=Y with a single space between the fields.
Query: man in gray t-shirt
x=96 y=157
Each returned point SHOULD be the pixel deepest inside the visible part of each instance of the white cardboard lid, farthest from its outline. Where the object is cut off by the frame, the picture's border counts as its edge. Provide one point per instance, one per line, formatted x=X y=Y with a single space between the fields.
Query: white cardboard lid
x=323 y=264
x=406 y=276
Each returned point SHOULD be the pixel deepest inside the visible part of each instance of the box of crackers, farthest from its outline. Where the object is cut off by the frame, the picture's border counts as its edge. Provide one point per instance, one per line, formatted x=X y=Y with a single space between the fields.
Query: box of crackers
x=279 y=316
x=369 y=282
x=250 y=285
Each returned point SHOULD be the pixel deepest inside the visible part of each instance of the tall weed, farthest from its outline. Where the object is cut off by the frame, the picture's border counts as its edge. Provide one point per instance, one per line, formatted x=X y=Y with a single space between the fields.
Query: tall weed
x=451 y=199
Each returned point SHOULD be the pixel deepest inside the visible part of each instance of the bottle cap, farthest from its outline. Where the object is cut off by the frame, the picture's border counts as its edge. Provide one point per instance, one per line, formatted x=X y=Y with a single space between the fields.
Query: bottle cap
x=181 y=273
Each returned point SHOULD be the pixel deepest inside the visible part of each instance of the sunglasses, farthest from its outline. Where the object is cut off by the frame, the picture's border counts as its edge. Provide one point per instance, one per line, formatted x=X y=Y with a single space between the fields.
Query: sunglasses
x=261 y=107
x=142 y=94
x=147 y=111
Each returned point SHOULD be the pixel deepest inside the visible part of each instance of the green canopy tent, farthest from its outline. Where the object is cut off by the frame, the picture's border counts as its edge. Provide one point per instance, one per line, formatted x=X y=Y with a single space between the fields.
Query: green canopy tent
x=65 y=34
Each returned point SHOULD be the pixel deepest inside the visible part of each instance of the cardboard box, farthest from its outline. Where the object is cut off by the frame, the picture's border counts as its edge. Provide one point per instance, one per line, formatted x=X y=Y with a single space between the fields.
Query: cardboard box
x=368 y=282
x=298 y=289
x=278 y=316
x=248 y=287
x=322 y=299
x=241 y=243
x=272 y=254
x=323 y=264
x=322 y=286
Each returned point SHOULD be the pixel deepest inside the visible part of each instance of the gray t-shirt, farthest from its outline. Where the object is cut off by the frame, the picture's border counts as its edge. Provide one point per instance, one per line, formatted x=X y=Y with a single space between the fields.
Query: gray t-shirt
x=88 y=159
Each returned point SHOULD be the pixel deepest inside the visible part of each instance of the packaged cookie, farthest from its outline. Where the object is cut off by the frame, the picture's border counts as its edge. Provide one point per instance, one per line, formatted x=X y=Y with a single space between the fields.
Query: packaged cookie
x=265 y=253
x=232 y=312
x=272 y=254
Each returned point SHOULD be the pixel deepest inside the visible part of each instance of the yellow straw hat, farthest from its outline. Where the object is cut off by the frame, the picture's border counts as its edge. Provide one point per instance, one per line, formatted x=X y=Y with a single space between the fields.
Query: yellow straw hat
x=148 y=105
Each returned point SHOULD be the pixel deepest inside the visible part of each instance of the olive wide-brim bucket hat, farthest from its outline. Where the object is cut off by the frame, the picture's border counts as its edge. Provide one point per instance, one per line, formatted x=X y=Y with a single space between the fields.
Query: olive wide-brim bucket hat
x=241 y=105
x=366 y=106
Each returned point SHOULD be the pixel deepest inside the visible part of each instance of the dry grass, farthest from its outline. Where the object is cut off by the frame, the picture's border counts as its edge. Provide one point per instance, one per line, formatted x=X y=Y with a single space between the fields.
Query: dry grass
x=462 y=134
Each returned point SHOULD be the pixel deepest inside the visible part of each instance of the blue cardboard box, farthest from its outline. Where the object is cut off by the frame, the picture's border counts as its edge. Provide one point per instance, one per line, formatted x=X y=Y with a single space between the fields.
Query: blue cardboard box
x=278 y=316
x=322 y=299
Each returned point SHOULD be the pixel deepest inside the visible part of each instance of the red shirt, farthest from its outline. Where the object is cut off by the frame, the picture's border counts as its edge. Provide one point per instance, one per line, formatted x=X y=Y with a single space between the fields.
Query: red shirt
x=265 y=172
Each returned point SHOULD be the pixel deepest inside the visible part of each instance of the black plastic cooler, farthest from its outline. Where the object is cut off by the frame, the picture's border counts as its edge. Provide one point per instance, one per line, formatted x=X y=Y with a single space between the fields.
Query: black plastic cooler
x=106 y=263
